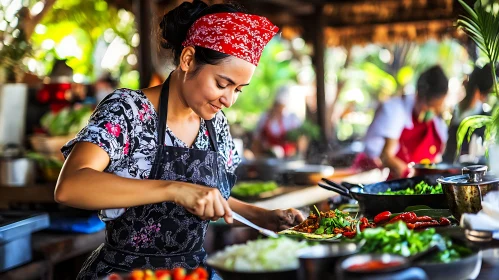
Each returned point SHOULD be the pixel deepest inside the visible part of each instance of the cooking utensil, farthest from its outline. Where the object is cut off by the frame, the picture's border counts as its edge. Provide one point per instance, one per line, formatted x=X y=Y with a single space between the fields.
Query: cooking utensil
x=15 y=170
x=443 y=169
x=318 y=262
x=464 y=193
x=264 y=231
x=401 y=271
x=371 y=203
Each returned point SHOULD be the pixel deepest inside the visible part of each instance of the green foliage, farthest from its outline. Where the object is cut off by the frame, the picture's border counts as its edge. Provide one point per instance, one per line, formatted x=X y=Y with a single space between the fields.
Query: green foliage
x=482 y=25
x=271 y=73
x=68 y=121
x=92 y=24
x=309 y=129
x=14 y=45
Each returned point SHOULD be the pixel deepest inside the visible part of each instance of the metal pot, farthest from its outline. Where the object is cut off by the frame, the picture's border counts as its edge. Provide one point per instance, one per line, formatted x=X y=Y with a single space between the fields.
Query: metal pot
x=443 y=169
x=16 y=171
x=464 y=193
x=318 y=262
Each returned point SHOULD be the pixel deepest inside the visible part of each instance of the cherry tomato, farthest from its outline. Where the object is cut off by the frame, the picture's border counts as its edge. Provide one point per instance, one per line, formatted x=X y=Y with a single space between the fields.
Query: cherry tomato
x=203 y=274
x=137 y=274
x=114 y=276
x=149 y=275
x=178 y=273
x=163 y=274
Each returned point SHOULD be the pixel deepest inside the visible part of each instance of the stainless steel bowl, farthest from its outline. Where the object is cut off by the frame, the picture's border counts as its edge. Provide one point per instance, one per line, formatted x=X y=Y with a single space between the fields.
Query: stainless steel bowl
x=464 y=193
x=318 y=262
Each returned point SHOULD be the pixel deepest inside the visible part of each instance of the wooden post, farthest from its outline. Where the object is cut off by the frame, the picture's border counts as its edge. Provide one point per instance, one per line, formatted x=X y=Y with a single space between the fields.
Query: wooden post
x=142 y=11
x=318 y=60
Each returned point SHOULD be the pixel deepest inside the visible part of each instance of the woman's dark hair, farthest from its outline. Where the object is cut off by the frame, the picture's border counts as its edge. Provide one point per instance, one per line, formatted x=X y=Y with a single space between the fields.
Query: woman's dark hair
x=432 y=84
x=481 y=79
x=176 y=23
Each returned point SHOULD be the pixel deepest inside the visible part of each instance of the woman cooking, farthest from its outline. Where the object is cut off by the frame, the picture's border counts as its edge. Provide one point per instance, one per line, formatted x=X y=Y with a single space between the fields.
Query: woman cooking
x=408 y=129
x=160 y=161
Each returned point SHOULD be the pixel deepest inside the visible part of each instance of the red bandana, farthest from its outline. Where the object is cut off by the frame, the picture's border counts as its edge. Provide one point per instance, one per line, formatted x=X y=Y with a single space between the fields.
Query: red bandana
x=237 y=34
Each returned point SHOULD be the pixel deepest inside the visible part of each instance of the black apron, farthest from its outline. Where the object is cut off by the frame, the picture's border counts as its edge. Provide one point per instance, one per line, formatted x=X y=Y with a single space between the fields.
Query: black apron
x=163 y=235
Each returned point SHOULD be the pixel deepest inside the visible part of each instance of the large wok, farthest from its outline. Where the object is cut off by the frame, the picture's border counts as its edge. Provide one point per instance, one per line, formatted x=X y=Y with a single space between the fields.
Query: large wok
x=371 y=203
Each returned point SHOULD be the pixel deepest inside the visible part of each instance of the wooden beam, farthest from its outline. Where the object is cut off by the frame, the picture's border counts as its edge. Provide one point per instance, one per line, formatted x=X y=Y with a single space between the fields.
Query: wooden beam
x=318 y=59
x=142 y=11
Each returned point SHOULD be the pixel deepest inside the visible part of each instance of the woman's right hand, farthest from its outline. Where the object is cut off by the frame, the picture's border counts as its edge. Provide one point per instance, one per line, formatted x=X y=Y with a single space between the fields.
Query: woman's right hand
x=204 y=202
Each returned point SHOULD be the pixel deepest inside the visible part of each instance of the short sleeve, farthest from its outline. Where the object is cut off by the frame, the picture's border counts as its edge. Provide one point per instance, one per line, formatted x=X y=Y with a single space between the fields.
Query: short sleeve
x=227 y=147
x=390 y=120
x=108 y=128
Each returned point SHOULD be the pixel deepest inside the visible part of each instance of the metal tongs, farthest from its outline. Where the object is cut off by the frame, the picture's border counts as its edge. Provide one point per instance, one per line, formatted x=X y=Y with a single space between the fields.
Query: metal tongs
x=264 y=231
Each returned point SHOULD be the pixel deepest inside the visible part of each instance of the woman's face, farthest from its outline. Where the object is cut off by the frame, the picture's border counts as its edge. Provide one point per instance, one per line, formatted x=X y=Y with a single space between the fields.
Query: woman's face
x=214 y=87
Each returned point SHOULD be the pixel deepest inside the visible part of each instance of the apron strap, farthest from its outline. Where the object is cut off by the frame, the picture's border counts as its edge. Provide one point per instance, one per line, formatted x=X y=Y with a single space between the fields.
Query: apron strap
x=212 y=134
x=161 y=127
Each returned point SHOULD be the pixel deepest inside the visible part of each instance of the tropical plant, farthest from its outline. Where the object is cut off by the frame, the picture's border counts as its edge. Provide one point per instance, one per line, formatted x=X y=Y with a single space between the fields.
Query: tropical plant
x=482 y=25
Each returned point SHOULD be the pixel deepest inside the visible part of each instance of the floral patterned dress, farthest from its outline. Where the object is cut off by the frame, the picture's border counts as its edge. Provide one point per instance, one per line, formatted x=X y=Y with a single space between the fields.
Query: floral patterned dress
x=124 y=125
x=161 y=235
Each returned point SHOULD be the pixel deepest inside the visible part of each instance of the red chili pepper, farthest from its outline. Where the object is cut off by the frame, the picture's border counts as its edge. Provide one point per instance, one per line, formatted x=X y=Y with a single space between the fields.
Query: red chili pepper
x=433 y=223
x=444 y=221
x=381 y=217
x=424 y=219
x=408 y=217
x=410 y=225
x=349 y=234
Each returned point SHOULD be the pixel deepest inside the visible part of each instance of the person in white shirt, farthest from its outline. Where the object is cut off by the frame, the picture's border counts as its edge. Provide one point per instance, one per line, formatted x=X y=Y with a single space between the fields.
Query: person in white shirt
x=271 y=130
x=408 y=129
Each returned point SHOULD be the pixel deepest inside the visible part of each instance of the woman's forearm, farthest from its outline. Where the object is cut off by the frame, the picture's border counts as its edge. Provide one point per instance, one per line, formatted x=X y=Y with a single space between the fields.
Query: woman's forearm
x=251 y=212
x=90 y=189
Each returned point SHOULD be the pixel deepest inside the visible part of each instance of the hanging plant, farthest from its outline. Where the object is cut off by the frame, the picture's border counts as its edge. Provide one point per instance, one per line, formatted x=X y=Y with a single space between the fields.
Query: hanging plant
x=482 y=26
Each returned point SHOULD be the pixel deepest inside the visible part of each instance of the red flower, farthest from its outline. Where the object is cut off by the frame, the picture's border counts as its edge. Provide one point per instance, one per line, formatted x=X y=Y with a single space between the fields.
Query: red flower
x=114 y=129
x=127 y=145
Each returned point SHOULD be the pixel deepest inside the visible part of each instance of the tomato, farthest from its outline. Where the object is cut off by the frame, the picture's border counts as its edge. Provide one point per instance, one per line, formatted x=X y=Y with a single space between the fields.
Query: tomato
x=203 y=274
x=163 y=274
x=149 y=275
x=137 y=274
x=114 y=276
x=178 y=273
x=192 y=276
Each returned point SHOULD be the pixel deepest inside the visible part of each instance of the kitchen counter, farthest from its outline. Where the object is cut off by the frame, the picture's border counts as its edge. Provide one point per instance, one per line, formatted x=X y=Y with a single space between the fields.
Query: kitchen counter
x=314 y=194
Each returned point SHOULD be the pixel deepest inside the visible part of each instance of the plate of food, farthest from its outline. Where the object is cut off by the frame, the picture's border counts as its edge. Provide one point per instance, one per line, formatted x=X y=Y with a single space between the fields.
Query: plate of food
x=455 y=260
x=263 y=259
x=331 y=225
x=254 y=190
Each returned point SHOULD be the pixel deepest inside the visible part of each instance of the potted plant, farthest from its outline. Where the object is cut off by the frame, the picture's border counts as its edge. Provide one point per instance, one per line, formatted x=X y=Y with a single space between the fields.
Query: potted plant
x=482 y=25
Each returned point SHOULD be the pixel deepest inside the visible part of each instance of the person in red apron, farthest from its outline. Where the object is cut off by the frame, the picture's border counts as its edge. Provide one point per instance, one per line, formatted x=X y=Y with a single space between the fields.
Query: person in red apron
x=408 y=129
x=160 y=162
x=272 y=128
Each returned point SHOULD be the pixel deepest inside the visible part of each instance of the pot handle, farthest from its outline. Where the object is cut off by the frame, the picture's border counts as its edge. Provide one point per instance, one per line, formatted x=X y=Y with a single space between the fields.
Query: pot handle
x=332 y=186
x=475 y=172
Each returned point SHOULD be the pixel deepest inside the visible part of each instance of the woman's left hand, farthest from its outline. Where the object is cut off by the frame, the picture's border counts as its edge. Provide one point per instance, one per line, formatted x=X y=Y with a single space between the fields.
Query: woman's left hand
x=278 y=220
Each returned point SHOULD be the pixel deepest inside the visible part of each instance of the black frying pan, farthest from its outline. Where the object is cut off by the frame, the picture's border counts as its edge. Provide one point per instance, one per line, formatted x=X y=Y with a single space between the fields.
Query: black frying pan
x=371 y=203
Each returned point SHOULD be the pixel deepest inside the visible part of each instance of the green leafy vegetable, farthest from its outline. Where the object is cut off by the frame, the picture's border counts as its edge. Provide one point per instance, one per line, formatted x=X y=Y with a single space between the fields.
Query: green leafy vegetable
x=397 y=239
x=253 y=188
x=68 y=121
x=420 y=188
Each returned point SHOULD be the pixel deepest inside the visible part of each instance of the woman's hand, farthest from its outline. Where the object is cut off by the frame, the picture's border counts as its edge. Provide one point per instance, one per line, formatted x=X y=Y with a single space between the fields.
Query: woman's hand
x=278 y=220
x=204 y=202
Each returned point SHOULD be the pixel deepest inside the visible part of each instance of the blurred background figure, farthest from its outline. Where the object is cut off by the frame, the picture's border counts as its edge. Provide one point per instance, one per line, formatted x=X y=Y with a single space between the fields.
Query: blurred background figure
x=408 y=129
x=270 y=136
x=477 y=89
